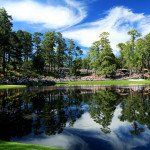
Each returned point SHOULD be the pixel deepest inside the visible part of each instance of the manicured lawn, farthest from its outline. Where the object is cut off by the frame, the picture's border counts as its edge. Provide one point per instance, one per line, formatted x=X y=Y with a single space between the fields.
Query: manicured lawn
x=11 y=86
x=19 y=146
x=107 y=82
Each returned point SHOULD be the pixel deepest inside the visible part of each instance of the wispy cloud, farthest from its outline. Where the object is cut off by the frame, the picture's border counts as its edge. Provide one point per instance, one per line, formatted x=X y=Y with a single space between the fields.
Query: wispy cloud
x=62 y=14
x=117 y=22
x=46 y=15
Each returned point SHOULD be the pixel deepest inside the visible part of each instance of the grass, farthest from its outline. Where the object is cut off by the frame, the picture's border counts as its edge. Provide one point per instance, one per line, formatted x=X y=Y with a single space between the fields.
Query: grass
x=19 y=146
x=11 y=86
x=106 y=82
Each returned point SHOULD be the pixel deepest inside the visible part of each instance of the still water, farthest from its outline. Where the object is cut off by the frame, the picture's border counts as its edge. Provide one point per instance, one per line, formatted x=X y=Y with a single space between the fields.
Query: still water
x=77 y=118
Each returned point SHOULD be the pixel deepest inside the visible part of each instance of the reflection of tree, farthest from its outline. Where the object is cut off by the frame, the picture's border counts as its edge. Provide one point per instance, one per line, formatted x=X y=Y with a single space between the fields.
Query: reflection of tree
x=73 y=110
x=23 y=112
x=60 y=107
x=48 y=111
x=102 y=108
x=136 y=129
x=12 y=120
x=38 y=103
x=135 y=109
x=53 y=115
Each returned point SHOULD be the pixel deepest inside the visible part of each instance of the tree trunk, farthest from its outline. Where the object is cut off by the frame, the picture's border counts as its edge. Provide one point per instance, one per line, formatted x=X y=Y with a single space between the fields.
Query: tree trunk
x=4 y=64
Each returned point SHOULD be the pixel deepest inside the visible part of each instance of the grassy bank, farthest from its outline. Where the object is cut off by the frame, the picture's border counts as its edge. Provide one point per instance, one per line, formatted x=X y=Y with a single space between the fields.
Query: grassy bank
x=11 y=86
x=19 y=146
x=107 y=82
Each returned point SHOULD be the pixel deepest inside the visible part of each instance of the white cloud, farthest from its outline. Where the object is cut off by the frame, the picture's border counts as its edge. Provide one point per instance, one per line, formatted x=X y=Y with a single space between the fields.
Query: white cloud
x=47 y=15
x=68 y=13
x=117 y=22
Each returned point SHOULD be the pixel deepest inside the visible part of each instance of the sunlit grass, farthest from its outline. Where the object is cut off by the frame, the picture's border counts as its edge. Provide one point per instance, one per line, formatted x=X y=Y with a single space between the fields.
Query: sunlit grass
x=105 y=82
x=19 y=146
x=11 y=86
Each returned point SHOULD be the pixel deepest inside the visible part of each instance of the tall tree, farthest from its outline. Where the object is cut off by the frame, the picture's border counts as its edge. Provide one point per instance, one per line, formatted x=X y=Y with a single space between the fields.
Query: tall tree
x=78 y=52
x=5 y=33
x=86 y=63
x=101 y=55
x=16 y=51
x=60 y=51
x=48 y=45
x=128 y=51
x=147 y=47
x=140 y=54
x=37 y=40
x=126 y=55
x=26 y=43
x=71 y=51
x=93 y=55
x=134 y=34
x=38 y=63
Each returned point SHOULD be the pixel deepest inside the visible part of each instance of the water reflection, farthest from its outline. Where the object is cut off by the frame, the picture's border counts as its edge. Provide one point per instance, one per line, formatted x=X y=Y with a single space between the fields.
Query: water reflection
x=77 y=117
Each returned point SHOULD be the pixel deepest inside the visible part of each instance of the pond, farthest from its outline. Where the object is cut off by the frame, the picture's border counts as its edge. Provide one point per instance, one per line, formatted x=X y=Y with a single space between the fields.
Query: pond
x=77 y=118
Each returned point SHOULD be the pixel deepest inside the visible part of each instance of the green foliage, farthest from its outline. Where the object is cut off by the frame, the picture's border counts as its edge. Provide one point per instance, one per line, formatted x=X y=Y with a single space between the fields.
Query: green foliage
x=102 y=59
x=30 y=73
x=76 y=66
x=5 y=34
x=37 y=40
x=135 y=53
x=70 y=50
x=16 y=51
x=107 y=62
x=25 y=44
x=86 y=63
x=48 y=45
x=38 y=63
x=47 y=54
x=50 y=53
x=74 y=58
x=60 y=51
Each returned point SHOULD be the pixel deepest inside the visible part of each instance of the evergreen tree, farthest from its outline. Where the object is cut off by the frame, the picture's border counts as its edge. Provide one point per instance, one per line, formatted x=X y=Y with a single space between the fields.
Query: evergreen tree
x=5 y=34
x=103 y=60
x=60 y=51
x=37 y=40
x=25 y=43
x=38 y=63
x=16 y=51
x=71 y=51
x=147 y=48
x=48 y=45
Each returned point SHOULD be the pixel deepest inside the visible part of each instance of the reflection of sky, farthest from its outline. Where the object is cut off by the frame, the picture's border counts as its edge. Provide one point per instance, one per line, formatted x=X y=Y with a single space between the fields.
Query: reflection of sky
x=86 y=135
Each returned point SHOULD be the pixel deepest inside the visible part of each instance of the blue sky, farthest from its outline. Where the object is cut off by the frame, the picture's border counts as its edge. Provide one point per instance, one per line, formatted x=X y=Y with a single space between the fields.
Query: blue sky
x=81 y=20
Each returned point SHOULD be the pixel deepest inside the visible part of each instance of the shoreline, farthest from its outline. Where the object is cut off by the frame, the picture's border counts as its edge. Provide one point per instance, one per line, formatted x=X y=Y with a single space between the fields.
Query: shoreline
x=105 y=82
x=83 y=82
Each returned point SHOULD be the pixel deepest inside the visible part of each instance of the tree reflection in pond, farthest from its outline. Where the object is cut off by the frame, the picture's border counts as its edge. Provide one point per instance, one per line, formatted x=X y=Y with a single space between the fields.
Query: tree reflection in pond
x=102 y=108
x=12 y=120
x=135 y=109
x=26 y=111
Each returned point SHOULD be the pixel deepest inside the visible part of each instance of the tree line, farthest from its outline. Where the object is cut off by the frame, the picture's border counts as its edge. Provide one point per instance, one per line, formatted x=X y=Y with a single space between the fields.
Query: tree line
x=23 y=53
x=45 y=53
x=134 y=54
